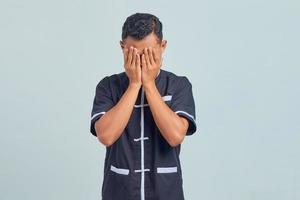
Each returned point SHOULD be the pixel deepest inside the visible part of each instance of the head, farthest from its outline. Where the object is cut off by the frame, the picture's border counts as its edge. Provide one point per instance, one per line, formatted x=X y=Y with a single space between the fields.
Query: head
x=143 y=30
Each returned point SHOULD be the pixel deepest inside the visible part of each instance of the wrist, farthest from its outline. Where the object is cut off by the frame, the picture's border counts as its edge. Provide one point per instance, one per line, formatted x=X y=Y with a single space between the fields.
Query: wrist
x=135 y=85
x=149 y=85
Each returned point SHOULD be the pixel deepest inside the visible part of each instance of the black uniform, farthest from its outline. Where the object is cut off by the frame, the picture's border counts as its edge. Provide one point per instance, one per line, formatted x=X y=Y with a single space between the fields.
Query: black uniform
x=141 y=165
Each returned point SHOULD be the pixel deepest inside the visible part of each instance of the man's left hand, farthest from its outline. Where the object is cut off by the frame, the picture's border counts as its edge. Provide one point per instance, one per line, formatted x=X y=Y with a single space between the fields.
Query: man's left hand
x=151 y=63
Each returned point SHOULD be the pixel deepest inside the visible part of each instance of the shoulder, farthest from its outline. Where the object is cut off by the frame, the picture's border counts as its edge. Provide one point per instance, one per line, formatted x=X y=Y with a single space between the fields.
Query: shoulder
x=177 y=79
x=112 y=80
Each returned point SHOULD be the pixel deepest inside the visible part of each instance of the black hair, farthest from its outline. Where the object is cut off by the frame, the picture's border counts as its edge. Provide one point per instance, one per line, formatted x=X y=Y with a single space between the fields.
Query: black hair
x=139 y=25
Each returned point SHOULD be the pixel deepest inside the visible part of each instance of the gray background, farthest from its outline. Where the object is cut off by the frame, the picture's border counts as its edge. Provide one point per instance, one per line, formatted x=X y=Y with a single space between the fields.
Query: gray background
x=242 y=58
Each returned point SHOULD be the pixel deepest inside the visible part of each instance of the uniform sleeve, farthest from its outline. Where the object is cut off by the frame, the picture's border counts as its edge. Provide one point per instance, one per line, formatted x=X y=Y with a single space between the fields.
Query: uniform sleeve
x=183 y=104
x=102 y=102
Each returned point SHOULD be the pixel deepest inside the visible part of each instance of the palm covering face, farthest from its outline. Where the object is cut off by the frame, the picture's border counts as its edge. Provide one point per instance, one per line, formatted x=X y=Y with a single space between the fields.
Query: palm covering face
x=141 y=68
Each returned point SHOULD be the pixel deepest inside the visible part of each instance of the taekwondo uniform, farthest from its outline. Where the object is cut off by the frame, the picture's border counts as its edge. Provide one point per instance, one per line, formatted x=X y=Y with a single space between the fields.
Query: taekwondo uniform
x=140 y=164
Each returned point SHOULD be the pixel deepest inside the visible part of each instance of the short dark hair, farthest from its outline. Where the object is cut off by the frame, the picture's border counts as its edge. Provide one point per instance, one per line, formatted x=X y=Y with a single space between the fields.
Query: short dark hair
x=139 y=25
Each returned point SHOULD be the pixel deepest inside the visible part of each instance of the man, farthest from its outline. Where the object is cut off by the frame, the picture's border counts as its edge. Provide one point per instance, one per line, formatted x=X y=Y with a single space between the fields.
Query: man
x=142 y=116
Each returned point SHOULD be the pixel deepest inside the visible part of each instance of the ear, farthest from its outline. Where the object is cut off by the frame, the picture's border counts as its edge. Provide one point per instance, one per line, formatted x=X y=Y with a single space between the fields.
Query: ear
x=164 y=45
x=122 y=44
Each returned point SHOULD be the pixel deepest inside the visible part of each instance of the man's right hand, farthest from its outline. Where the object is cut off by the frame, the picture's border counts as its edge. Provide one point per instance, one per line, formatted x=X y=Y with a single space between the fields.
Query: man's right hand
x=132 y=65
x=107 y=130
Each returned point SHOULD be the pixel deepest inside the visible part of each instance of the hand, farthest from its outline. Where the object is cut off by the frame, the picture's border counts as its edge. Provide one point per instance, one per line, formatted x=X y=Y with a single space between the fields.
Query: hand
x=151 y=63
x=132 y=66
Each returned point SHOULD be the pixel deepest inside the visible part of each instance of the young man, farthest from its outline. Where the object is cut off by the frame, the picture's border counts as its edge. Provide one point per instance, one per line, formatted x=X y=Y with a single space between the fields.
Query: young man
x=142 y=115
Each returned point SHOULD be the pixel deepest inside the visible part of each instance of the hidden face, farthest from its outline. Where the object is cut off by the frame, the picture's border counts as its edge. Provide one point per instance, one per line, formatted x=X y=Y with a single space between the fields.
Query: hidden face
x=150 y=40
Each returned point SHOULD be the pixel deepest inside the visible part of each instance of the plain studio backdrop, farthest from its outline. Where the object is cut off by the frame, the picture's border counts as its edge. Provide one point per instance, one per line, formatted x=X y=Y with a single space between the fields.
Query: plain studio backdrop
x=242 y=58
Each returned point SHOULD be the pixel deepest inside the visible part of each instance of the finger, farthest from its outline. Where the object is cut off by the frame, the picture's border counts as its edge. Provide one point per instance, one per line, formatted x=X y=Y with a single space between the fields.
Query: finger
x=129 y=60
x=138 y=60
x=143 y=61
x=147 y=57
x=151 y=56
x=134 y=53
x=134 y=57
x=125 y=54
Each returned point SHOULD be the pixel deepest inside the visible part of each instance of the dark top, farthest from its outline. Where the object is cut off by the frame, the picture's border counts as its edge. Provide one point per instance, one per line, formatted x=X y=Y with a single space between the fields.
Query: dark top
x=140 y=164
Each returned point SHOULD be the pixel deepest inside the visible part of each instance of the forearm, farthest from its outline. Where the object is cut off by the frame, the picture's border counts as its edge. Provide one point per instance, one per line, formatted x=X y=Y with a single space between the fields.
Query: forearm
x=110 y=126
x=172 y=126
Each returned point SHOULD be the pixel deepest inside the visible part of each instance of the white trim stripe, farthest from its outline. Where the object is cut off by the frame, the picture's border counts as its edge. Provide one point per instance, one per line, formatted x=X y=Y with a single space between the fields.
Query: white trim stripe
x=139 y=170
x=95 y=115
x=139 y=106
x=166 y=169
x=180 y=111
x=119 y=170
x=142 y=149
x=138 y=139
x=167 y=98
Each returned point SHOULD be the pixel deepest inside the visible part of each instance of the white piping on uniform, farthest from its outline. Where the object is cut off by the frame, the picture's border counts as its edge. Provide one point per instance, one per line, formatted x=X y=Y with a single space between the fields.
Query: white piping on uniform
x=166 y=169
x=142 y=149
x=119 y=170
x=138 y=139
x=165 y=98
x=180 y=111
x=95 y=115
x=139 y=170
x=142 y=138
x=141 y=105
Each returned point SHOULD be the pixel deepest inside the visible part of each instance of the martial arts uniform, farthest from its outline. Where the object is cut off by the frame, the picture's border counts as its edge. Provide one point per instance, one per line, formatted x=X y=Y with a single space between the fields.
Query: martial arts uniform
x=140 y=164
